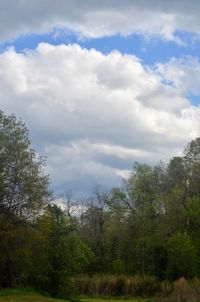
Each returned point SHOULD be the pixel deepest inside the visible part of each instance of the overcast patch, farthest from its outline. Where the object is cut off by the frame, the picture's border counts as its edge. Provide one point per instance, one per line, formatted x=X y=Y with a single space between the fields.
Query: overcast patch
x=91 y=19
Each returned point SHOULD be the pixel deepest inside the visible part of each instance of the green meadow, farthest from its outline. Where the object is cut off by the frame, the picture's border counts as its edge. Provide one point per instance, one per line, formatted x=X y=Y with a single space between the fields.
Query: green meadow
x=17 y=295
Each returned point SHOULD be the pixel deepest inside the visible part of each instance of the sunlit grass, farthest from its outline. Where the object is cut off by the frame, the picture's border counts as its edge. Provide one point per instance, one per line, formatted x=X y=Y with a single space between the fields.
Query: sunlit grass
x=24 y=295
x=16 y=295
x=116 y=300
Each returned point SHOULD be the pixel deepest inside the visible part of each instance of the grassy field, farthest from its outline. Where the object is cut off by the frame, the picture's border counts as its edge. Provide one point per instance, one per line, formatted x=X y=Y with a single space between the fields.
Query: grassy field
x=12 y=295
x=117 y=300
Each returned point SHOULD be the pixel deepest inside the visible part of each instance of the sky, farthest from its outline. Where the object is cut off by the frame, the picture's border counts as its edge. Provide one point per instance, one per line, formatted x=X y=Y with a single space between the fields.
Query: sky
x=101 y=84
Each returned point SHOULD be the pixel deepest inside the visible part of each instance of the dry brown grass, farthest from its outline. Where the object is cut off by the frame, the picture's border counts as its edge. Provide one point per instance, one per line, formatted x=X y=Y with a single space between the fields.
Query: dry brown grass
x=108 y=286
x=183 y=291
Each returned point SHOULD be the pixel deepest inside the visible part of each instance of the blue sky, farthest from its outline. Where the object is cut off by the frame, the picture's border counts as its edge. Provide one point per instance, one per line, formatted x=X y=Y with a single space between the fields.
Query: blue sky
x=91 y=110
x=149 y=50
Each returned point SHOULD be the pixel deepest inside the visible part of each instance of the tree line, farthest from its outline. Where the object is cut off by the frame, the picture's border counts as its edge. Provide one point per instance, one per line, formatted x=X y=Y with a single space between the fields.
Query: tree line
x=148 y=226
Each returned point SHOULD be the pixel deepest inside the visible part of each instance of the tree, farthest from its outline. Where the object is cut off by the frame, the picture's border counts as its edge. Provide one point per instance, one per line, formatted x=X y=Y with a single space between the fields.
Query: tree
x=192 y=164
x=141 y=194
x=93 y=229
x=182 y=257
x=23 y=184
x=63 y=253
x=23 y=191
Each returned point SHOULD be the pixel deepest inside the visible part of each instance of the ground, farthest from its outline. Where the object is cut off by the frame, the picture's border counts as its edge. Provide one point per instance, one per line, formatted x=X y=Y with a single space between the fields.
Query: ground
x=12 y=295
x=29 y=296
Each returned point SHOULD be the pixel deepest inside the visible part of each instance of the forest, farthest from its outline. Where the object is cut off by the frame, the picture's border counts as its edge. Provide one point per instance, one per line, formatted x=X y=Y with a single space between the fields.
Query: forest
x=132 y=240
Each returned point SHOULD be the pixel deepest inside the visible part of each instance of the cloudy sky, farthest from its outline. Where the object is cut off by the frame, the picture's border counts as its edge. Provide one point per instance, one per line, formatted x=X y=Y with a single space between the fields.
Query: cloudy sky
x=101 y=84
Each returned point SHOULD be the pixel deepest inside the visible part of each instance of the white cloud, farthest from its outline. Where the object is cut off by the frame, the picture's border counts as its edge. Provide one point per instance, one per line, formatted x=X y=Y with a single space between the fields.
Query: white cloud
x=183 y=74
x=91 y=18
x=93 y=115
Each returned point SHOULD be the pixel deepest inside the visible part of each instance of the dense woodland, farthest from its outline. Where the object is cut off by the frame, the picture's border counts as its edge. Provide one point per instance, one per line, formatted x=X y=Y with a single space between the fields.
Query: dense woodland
x=150 y=226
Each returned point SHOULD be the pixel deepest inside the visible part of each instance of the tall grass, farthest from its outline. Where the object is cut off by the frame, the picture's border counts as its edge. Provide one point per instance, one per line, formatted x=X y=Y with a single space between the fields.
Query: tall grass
x=109 y=285
x=183 y=291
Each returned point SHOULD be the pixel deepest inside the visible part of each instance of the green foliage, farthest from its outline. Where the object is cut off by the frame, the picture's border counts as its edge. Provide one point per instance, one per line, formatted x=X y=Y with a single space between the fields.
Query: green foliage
x=23 y=184
x=39 y=244
x=63 y=254
x=118 y=267
x=148 y=227
x=182 y=256
x=23 y=193
x=151 y=225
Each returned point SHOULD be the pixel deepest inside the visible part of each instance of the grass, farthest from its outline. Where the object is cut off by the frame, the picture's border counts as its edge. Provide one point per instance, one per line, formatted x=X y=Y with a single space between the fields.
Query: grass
x=116 y=286
x=28 y=295
x=24 y=295
x=116 y=300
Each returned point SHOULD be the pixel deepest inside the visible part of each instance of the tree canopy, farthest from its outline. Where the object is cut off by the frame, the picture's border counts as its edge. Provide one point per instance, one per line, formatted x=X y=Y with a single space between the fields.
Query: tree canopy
x=39 y=245
x=150 y=225
x=23 y=183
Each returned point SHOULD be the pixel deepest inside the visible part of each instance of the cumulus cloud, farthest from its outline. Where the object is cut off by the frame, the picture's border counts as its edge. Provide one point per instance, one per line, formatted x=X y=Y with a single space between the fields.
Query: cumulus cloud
x=91 y=18
x=182 y=73
x=93 y=115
